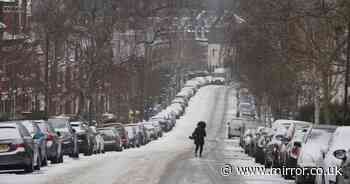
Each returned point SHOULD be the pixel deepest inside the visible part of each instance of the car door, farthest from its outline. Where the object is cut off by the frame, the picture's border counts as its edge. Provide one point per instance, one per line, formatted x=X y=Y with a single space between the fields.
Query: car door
x=31 y=147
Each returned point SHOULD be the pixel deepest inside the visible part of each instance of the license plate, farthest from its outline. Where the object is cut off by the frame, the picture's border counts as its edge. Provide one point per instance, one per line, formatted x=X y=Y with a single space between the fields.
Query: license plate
x=4 y=148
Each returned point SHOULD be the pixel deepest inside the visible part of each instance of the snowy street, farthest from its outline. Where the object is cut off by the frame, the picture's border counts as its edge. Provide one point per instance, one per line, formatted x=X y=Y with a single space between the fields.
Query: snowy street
x=168 y=160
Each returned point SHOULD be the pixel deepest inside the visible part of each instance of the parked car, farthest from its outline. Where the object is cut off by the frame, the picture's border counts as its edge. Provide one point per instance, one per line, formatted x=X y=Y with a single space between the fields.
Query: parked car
x=273 y=148
x=296 y=126
x=261 y=145
x=39 y=138
x=145 y=132
x=133 y=136
x=219 y=80
x=335 y=154
x=123 y=134
x=86 y=138
x=289 y=152
x=53 y=142
x=18 y=150
x=281 y=123
x=248 y=141
x=112 y=140
x=246 y=109
x=176 y=110
x=246 y=125
x=70 y=145
x=317 y=139
x=234 y=128
x=150 y=129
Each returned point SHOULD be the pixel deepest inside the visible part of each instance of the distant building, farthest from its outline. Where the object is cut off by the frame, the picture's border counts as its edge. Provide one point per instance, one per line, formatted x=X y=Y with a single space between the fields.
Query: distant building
x=215 y=47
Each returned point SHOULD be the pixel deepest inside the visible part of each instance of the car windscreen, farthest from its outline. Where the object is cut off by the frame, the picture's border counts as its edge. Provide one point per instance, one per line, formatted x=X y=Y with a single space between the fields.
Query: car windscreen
x=43 y=127
x=78 y=126
x=279 y=137
x=9 y=133
x=59 y=124
x=245 y=106
x=319 y=135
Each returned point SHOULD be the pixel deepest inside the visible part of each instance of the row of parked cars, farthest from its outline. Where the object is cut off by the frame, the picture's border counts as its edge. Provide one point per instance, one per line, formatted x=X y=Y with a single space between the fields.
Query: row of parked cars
x=32 y=144
x=298 y=144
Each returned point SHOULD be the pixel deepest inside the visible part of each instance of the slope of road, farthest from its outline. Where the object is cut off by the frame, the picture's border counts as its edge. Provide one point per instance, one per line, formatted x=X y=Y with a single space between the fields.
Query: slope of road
x=219 y=152
x=143 y=165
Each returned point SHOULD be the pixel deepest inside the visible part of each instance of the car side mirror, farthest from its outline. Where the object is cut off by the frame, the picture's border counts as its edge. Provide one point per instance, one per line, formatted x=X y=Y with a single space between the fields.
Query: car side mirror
x=74 y=131
x=340 y=154
x=58 y=134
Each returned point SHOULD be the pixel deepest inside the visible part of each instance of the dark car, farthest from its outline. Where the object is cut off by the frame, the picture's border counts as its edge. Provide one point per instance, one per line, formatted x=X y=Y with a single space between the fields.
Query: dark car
x=40 y=139
x=69 y=138
x=261 y=144
x=53 y=142
x=112 y=140
x=123 y=134
x=85 y=137
x=272 y=150
x=18 y=149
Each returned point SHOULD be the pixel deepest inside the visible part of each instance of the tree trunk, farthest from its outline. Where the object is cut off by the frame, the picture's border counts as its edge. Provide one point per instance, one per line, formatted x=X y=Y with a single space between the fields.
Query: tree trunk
x=316 y=98
x=345 y=108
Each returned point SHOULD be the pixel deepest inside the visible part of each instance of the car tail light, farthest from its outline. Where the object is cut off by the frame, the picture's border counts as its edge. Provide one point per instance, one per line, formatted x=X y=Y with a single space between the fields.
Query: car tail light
x=296 y=150
x=19 y=147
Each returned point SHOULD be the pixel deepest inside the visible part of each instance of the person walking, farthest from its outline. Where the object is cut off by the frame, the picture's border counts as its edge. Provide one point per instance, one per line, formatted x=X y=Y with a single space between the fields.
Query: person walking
x=198 y=137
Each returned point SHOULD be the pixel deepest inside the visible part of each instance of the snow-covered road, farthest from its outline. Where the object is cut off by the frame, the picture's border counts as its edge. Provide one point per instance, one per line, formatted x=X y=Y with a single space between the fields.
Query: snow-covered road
x=169 y=160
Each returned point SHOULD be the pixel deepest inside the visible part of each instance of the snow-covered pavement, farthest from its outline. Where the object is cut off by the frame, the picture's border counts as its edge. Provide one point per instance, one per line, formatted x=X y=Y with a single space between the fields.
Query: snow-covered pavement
x=169 y=160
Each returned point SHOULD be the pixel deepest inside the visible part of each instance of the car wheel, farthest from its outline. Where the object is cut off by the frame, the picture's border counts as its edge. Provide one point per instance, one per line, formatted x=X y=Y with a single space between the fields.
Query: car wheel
x=298 y=179
x=60 y=158
x=56 y=159
x=340 y=179
x=267 y=164
x=76 y=155
x=44 y=163
x=30 y=167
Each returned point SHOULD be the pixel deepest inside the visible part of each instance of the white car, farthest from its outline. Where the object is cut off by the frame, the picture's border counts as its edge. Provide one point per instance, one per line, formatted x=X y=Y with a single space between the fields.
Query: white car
x=338 y=147
x=310 y=155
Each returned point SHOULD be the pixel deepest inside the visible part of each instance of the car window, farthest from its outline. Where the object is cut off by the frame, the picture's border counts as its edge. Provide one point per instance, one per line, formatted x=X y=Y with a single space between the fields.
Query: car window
x=29 y=126
x=279 y=137
x=59 y=124
x=9 y=133
x=43 y=127
x=107 y=132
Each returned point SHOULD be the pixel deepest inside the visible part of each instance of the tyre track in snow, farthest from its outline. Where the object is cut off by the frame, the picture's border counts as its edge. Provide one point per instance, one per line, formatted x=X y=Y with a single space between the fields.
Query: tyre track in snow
x=187 y=169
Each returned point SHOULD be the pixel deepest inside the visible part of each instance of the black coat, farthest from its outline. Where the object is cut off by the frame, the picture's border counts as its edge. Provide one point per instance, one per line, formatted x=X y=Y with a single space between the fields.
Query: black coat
x=198 y=135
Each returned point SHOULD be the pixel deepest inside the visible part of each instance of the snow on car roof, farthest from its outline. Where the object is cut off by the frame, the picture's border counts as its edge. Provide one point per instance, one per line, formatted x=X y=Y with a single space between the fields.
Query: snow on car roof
x=341 y=135
x=316 y=140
